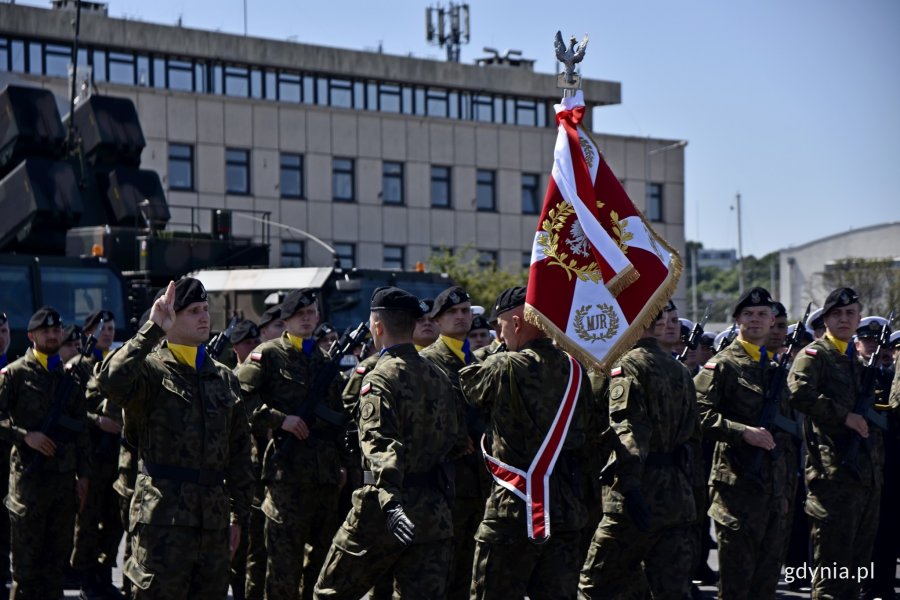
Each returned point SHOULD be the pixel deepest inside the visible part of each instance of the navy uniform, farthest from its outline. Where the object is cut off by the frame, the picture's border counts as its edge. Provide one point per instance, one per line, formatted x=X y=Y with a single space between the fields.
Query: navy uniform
x=45 y=462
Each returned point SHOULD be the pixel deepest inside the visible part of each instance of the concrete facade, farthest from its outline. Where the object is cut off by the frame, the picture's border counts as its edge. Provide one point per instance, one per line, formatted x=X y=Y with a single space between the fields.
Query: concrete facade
x=803 y=267
x=213 y=122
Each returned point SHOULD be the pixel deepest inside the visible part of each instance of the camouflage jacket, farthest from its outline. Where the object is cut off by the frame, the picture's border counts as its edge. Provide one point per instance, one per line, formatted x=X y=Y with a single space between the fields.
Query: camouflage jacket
x=823 y=384
x=187 y=419
x=894 y=397
x=522 y=392
x=472 y=480
x=27 y=394
x=653 y=411
x=731 y=389
x=350 y=395
x=275 y=378
x=407 y=425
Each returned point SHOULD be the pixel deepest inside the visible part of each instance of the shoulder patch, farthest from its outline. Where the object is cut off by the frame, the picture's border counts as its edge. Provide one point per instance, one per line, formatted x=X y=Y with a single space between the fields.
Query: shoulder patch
x=368 y=410
x=256 y=356
x=616 y=392
x=361 y=370
x=710 y=365
x=812 y=351
x=615 y=372
x=365 y=389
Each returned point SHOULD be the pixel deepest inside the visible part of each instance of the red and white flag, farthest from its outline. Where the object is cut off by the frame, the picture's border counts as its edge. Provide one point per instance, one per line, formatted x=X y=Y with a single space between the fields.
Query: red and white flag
x=599 y=274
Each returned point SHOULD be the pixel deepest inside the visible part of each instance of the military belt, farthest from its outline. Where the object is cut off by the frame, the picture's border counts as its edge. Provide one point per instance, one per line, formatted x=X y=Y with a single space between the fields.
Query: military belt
x=662 y=459
x=205 y=477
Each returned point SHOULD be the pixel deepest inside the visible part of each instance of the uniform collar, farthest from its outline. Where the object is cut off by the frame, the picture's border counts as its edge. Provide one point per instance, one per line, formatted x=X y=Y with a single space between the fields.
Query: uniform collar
x=192 y=356
x=840 y=345
x=459 y=347
x=304 y=345
x=49 y=362
x=757 y=353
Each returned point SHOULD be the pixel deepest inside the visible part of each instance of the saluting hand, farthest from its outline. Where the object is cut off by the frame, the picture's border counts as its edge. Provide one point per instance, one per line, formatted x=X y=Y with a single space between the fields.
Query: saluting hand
x=163 y=310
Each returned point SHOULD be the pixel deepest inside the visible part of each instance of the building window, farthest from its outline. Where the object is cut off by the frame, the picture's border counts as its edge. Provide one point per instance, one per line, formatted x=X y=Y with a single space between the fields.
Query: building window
x=487 y=259
x=289 y=87
x=57 y=60
x=530 y=199
x=394 y=257
x=485 y=191
x=291 y=180
x=392 y=183
x=181 y=167
x=237 y=171
x=342 y=179
x=654 y=205
x=440 y=187
x=346 y=254
x=180 y=74
x=389 y=98
x=121 y=68
x=437 y=103
x=293 y=253
x=237 y=82
x=482 y=108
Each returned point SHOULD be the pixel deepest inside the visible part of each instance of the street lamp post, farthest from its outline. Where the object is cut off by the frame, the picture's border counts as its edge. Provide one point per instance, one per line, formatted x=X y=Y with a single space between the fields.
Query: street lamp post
x=740 y=251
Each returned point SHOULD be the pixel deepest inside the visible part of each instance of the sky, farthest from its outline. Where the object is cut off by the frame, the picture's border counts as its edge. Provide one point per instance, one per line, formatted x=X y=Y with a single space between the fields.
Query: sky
x=795 y=104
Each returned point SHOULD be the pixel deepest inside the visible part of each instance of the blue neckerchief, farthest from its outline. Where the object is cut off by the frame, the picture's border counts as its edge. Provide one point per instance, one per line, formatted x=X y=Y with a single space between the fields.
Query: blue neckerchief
x=383 y=350
x=851 y=349
x=467 y=351
x=98 y=354
x=763 y=356
x=4 y=360
x=308 y=346
x=201 y=357
x=53 y=362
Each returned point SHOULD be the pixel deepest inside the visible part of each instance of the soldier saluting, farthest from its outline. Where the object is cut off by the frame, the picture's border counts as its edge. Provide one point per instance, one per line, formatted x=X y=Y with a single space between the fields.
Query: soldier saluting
x=46 y=472
x=193 y=441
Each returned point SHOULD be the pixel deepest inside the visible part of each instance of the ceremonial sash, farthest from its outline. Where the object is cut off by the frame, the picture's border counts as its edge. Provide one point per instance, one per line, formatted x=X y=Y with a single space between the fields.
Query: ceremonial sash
x=533 y=486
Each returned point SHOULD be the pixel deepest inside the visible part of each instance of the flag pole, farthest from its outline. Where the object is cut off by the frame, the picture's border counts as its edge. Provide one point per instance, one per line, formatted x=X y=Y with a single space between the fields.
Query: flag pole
x=569 y=81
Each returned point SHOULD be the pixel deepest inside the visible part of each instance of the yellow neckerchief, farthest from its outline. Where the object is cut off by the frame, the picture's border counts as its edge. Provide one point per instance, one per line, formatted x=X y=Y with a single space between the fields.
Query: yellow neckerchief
x=419 y=348
x=752 y=349
x=186 y=355
x=456 y=346
x=41 y=358
x=841 y=346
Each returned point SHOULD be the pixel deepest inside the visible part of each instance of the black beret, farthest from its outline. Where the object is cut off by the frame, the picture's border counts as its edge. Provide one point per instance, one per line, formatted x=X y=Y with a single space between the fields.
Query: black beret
x=94 y=318
x=296 y=300
x=3 y=318
x=870 y=327
x=45 y=316
x=449 y=298
x=779 y=310
x=755 y=296
x=72 y=334
x=429 y=305
x=479 y=322
x=273 y=313
x=322 y=330
x=187 y=291
x=670 y=306
x=838 y=298
x=245 y=330
x=393 y=298
x=509 y=299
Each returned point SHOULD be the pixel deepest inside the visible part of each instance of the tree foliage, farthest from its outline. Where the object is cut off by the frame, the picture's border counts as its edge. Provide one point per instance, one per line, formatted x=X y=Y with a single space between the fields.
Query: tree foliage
x=877 y=281
x=484 y=283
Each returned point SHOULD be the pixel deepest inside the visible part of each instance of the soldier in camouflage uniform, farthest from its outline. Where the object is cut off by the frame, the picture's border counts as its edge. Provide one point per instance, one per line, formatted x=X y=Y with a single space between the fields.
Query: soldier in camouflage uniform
x=451 y=352
x=644 y=541
x=98 y=528
x=842 y=499
x=750 y=508
x=407 y=422
x=522 y=390
x=193 y=492
x=5 y=448
x=49 y=471
x=302 y=486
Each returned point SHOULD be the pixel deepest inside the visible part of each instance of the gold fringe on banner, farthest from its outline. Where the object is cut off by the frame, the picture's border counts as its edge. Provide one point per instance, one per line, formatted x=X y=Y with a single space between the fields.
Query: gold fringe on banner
x=622 y=280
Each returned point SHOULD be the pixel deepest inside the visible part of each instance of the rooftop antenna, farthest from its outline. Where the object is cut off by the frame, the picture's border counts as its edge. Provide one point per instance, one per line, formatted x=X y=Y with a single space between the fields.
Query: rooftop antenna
x=448 y=28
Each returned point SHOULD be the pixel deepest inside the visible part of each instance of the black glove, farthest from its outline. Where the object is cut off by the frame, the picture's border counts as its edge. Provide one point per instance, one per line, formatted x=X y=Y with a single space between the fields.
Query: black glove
x=637 y=509
x=399 y=524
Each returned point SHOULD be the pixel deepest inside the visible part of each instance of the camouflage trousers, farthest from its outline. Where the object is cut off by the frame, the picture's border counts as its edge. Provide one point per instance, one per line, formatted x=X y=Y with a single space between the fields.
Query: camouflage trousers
x=844 y=519
x=42 y=509
x=98 y=528
x=751 y=535
x=515 y=568
x=625 y=563
x=4 y=518
x=170 y=562
x=296 y=516
x=255 y=572
x=467 y=515
x=354 y=565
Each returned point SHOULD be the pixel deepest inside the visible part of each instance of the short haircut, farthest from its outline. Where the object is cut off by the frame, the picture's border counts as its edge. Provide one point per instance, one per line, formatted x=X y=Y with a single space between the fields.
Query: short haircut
x=399 y=323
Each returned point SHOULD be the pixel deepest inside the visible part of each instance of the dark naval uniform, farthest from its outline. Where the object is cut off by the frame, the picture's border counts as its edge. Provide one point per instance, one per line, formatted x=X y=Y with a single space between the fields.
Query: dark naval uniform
x=193 y=443
x=301 y=487
x=843 y=505
x=407 y=422
x=644 y=539
x=750 y=511
x=42 y=501
x=523 y=391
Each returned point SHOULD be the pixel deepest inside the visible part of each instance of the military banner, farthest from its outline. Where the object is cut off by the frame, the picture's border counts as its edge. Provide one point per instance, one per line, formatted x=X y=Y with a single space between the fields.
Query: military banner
x=599 y=273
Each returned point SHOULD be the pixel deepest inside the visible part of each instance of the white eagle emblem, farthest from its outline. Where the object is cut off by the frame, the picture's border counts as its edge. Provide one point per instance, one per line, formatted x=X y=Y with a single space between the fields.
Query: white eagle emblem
x=578 y=242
